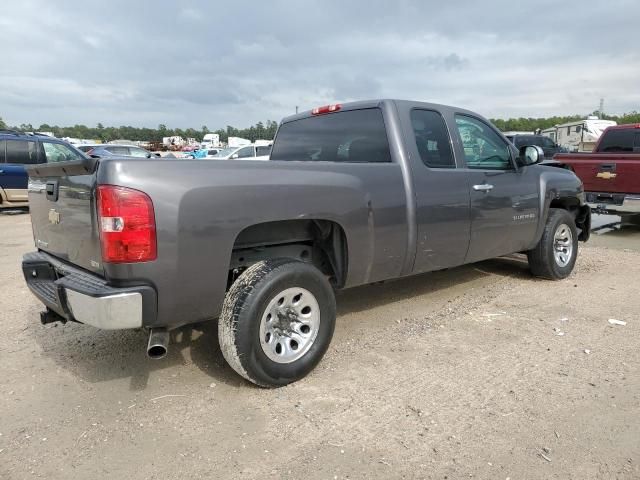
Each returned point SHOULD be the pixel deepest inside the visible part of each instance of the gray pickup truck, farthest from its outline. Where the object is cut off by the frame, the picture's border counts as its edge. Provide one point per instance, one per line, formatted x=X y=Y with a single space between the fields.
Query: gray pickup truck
x=353 y=194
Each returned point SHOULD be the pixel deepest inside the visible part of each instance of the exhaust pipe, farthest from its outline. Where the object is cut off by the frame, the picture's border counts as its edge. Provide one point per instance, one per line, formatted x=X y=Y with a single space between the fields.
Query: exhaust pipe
x=158 y=342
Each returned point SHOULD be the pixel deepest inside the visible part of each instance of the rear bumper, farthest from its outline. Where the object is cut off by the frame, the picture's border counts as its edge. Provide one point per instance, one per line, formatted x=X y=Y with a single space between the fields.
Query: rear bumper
x=79 y=296
x=623 y=203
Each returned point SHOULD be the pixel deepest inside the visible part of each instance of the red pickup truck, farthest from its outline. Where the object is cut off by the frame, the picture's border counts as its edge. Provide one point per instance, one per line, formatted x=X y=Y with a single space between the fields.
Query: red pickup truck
x=611 y=173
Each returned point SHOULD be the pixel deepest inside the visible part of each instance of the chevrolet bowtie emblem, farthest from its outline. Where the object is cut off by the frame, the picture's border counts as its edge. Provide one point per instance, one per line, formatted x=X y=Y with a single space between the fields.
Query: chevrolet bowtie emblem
x=54 y=217
x=607 y=175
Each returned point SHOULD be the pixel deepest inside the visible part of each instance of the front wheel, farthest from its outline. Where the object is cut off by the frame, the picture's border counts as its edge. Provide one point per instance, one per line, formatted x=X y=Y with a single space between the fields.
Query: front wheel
x=277 y=321
x=555 y=254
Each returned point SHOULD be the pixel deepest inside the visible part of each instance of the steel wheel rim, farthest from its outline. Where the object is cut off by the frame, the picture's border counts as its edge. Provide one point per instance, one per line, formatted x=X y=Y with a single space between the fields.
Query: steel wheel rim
x=289 y=325
x=563 y=245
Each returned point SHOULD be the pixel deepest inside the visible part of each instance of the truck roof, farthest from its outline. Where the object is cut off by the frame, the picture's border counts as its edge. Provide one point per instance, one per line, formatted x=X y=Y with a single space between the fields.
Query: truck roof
x=626 y=126
x=377 y=103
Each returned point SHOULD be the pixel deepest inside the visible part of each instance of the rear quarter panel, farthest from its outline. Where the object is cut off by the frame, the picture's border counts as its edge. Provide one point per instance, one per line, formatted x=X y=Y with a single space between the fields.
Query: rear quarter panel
x=202 y=205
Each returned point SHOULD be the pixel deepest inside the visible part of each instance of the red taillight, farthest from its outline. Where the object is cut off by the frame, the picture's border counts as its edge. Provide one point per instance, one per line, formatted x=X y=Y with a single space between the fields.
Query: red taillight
x=326 y=109
x=127 y=225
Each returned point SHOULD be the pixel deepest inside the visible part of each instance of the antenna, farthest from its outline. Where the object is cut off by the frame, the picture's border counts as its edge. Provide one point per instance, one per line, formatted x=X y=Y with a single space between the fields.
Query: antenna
x=601 y=109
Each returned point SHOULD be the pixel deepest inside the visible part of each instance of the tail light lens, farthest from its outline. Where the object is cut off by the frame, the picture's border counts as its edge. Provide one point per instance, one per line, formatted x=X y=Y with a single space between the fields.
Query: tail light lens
x=127 y=225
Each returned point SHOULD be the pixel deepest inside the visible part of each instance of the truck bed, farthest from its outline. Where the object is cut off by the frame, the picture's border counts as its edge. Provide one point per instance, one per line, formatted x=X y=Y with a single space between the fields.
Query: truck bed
x=605 y=172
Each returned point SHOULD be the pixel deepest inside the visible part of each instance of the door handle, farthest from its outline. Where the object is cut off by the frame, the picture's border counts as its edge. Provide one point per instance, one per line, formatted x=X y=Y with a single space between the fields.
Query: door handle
x=484 y=187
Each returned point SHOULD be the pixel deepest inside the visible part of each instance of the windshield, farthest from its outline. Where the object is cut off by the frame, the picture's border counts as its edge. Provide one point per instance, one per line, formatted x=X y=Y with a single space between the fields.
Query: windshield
x=225 y=152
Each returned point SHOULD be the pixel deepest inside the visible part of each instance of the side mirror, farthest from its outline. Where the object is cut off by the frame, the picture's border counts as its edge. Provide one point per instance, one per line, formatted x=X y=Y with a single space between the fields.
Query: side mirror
x=531 y=154
x=149 y=155
x=234 y=156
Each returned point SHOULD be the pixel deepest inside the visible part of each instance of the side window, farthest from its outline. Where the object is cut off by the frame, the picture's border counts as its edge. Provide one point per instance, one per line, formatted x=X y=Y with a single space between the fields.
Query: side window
x=246 y=152
x=21 y=152
x=138 y=152
x=260 y=151
x=483 y=147
x=2 y=150
x=118 y=151
x=432 y=139
x=57 y=152
x=355 y=136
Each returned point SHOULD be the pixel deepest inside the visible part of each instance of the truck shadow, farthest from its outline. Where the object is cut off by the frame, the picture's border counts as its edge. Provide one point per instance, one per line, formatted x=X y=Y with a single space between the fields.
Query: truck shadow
x=97 y=356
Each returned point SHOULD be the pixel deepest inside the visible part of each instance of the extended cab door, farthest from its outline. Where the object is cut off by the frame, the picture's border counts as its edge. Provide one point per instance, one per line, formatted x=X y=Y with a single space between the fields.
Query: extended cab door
x=441 y=191
x=504 y=198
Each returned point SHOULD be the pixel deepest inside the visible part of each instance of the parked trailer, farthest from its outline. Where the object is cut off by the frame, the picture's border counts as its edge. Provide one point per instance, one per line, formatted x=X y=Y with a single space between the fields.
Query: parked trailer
x=580 y=135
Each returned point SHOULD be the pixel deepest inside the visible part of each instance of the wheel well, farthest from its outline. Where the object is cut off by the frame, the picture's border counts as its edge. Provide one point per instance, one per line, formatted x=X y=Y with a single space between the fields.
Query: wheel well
x=320 y=242
x=581 y=214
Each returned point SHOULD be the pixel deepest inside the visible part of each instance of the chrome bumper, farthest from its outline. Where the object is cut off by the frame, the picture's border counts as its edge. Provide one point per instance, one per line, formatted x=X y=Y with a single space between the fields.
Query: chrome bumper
x=80 y=296
x=112 y=312
x=630 y=205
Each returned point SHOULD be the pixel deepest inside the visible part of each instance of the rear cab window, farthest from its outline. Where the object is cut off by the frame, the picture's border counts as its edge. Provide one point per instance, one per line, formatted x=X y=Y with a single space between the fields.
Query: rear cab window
x=484 y=149
x=620 y=140
x=432 y=139
x=352 y=136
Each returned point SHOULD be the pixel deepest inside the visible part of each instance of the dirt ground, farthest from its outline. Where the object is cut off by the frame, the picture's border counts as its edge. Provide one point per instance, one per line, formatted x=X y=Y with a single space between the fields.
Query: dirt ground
x=477 y=372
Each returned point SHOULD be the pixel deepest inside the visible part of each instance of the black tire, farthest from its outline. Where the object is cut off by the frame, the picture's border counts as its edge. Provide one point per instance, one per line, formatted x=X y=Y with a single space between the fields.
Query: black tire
x=542 y=260
x=244 y=307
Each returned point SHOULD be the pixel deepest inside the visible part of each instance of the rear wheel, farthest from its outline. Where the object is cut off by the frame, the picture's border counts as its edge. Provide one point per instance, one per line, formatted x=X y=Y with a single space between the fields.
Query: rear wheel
x=555 y=254
x=277 y=321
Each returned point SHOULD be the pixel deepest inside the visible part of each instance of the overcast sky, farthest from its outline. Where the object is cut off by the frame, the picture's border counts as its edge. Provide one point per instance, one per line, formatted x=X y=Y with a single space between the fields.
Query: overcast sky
x=190 y=63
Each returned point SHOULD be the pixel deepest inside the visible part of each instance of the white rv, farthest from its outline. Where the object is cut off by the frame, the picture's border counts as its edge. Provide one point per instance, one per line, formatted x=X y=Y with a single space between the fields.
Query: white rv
x=210 y=140
x=578 y=136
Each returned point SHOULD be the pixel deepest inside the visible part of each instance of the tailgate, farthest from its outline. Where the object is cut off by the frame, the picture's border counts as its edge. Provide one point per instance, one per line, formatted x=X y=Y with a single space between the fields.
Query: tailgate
x=62 y=206
x=610 y=173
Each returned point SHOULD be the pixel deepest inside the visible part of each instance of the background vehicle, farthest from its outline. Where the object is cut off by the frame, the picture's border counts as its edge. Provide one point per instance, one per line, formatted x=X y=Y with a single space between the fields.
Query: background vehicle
x=611 y=173
x=108 y=150
x=549 y=147
x=202 y=153
x=248 y=152
x=237 y=142
x=353 y=194
x=18 y=150
x=210 y=140
x=580 y=136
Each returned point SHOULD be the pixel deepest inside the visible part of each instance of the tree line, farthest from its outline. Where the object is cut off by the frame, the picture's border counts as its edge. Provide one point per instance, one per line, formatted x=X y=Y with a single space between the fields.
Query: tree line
x=267 y=130
x=259 y=131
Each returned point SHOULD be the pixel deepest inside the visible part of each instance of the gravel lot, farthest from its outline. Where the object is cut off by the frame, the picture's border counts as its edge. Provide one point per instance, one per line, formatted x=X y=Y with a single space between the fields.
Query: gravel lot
x=476 y=372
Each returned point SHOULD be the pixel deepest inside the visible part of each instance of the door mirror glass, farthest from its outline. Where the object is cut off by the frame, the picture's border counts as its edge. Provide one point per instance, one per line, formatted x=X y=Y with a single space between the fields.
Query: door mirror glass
x=531 y=154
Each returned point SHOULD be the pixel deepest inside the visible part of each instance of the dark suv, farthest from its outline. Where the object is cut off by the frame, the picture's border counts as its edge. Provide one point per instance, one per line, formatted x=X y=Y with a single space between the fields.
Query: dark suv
x=549 y=147
x=20 y=149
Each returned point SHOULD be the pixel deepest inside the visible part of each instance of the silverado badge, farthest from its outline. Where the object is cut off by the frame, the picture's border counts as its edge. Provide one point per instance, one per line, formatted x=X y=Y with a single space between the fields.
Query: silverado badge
x=607 y=175
x=54 y=217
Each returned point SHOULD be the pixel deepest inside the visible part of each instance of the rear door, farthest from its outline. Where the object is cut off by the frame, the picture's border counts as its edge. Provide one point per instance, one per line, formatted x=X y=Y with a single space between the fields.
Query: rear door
x=14 y=178
x=504 y=198
x=441 y=192
x=61 y=200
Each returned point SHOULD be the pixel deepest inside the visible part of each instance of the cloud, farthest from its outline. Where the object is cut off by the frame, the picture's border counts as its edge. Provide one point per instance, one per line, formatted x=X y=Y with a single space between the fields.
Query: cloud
x=187 y=63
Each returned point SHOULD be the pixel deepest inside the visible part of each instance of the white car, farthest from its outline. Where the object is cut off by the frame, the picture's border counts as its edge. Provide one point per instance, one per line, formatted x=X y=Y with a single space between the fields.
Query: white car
x=248 y=152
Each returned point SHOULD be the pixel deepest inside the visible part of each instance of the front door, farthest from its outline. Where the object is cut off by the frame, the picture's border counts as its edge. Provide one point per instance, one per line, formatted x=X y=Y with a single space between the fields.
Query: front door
x=504 y=198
